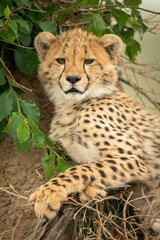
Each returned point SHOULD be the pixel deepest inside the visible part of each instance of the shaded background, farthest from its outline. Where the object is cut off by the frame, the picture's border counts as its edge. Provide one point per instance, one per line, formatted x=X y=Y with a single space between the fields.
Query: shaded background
x=150 y=55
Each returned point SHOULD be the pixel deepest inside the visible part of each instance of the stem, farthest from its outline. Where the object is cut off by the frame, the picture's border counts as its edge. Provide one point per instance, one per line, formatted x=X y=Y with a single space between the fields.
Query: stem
x=12 y=78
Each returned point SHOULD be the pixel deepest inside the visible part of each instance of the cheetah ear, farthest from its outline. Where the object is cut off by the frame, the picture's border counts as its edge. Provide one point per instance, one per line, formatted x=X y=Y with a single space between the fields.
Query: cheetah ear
x=112 y=45
x=42 y=43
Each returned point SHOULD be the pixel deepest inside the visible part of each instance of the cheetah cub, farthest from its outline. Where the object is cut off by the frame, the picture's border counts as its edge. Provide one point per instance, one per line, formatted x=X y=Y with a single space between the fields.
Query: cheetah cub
x=113 y=141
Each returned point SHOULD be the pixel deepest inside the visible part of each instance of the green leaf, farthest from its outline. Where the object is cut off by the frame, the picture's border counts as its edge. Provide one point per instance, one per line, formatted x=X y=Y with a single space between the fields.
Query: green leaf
x=22 y=147
x=13 y=26
x=8 y=35
x=5 y=3
x=47 y=163
x=84 y=3
x=1 y=23
x=24 y=39
x=2 y=77
x=7 y=12
x=35 y=16
x=6 y=105
x=64 y=14
x=12 y=125
x=38 y=137
x=26 y=60
x=22 y=132
x=23 y=24
x=48 y=26
x=62 y=165
x=2 y=125
x=25 y=2
x=28 y=30
x=121 y=17
x=158 y=103
x=21 y=3
x=97 y=24
x=31 y=110
x=143 y=29
x=50 y=8
x=132 y=49
x=133 y=2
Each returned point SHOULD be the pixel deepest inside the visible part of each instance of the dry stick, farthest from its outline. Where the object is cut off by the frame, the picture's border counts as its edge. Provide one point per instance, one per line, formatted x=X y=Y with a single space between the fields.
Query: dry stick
x=14 y=229
x=53 y=229
x=18 y=45
x=18 y=222
x=11 y=76
x=141 y=91
x=136 y=87
x=5 y=24
x=10 y=193
x=101 y=214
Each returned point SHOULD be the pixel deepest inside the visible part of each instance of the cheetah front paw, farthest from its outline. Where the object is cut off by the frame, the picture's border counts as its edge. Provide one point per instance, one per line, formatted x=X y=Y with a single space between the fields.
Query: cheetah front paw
x=47 y=201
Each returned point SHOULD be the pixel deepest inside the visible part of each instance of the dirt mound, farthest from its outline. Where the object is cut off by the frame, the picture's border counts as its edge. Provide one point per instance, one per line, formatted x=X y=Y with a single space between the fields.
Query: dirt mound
x=21 y=174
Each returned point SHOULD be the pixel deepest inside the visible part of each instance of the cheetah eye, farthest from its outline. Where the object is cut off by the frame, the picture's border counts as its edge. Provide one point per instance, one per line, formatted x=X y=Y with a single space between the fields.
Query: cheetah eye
x=60 y=61
x=88 y=61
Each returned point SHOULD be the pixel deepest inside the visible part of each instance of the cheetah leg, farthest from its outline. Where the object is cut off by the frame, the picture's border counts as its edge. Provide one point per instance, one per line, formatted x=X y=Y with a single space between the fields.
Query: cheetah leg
x=91 y=177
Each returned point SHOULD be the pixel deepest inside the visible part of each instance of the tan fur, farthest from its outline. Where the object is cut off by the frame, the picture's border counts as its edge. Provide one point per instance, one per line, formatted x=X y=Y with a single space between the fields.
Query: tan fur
x=101 y=128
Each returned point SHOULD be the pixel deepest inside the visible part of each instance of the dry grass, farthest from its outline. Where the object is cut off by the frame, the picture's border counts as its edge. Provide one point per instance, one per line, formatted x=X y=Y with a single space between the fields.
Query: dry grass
x=111 y=218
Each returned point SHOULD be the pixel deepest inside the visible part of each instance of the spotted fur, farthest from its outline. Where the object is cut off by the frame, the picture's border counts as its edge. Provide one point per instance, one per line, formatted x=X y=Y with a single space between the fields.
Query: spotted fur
x=115 y=142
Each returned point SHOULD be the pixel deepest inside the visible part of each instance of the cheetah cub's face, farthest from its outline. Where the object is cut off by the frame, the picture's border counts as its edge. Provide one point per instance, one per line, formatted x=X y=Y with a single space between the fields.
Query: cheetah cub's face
x=77 y=65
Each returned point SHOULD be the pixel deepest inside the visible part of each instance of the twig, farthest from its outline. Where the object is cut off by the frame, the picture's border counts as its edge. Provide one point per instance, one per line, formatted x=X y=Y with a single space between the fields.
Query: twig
x=141 y=91
x=18 y=222
x=124 y=215
x=5 y=24
x=12 y=78
x=14 y=229
x=18 y=45
x=11 y=193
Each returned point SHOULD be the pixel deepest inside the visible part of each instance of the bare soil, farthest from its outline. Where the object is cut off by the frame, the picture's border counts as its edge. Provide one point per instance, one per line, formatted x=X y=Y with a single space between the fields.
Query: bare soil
x=21 y=174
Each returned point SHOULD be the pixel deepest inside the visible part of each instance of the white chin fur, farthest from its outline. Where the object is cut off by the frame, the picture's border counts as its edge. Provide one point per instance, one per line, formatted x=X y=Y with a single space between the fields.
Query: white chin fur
x=57 y=95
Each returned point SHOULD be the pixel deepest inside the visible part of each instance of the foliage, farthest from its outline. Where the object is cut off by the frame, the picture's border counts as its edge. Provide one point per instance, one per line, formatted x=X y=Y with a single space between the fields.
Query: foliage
x=20 y=22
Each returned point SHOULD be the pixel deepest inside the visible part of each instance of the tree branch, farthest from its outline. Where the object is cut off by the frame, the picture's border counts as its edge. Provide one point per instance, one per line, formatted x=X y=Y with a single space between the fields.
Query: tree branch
x=141 y=91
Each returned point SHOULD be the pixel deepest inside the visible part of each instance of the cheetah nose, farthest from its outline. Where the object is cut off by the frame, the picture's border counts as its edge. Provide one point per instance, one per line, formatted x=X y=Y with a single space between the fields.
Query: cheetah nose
x=73 y=79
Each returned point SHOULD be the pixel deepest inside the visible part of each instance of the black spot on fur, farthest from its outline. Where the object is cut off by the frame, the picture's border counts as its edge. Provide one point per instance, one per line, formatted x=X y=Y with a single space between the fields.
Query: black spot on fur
x=61 y=176
x=84 y=177
x=86 y=121
x=102 y=173
x=97 y=126
x=92 y=178
x=111 y=161
x=76 y=177
x=67 y=180
x=114 y=177
x=88 y=167
x=111 y=137
x=109 y=156
x=99 y=165
x=73 y=168
x=124 y=158
x=119 y=120
x=111 y=109
x=120 y=150
x=122 y=174
x=114 y=168
x=130 y=166
x=99 y=116
x=95 y=135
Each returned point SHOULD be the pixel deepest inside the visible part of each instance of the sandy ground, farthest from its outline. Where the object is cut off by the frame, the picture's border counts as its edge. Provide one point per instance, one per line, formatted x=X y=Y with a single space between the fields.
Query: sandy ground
x=21 y=174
